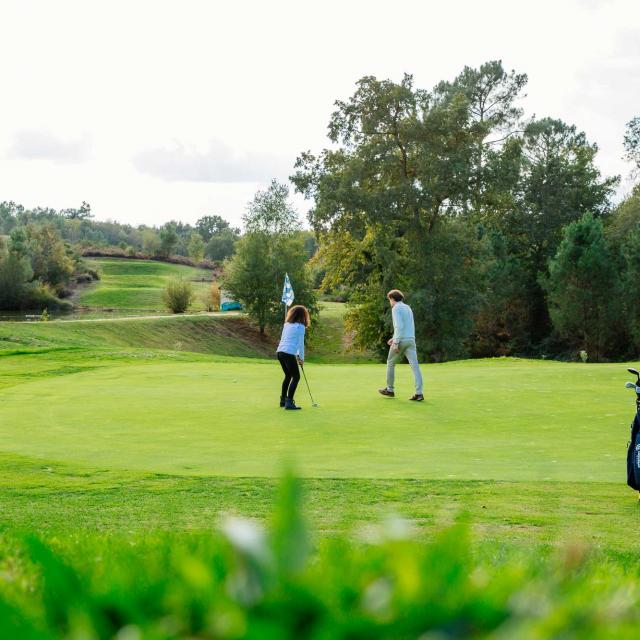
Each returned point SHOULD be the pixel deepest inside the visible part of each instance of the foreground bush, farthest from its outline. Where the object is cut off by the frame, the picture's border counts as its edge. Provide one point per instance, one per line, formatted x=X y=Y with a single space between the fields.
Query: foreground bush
x=178 y=295
x=245 y=582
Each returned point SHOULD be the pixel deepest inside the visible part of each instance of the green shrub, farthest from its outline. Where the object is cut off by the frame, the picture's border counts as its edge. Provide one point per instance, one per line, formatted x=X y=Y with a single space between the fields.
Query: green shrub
x=216 y=295
x=40 y=296
x=178 y=295
x=211 y=297
x=248 y=582
x=15 y=273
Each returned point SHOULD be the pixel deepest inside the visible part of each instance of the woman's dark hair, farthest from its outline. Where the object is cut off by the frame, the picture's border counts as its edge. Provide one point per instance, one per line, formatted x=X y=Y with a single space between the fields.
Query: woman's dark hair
x=299 y=314
x=396 y=295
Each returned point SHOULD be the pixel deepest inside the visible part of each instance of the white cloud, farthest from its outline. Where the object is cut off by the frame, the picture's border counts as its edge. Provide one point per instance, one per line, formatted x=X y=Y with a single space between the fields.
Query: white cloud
x=594 y=4
x=217 y=163
x=43 y=145
x=262 y=77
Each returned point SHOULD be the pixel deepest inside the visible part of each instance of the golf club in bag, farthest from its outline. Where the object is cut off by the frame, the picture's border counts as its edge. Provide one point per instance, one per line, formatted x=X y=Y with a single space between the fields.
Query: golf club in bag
x=633 y=450
x=313 y=403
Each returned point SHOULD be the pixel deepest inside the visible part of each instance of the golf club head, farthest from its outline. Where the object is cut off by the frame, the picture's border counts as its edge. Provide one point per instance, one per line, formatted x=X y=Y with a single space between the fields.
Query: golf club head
x=630 y=385
x=635 y=373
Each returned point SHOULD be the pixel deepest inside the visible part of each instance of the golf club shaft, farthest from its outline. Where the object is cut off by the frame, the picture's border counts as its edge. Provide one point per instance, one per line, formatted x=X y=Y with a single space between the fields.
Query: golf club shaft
x=307 y=383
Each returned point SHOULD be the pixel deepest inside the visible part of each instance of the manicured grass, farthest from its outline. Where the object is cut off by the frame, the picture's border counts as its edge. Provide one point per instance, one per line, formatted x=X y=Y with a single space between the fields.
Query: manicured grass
x=124 y=442
x=114 y=426
x=499 y=420
x=58 y=499
x=138 y=284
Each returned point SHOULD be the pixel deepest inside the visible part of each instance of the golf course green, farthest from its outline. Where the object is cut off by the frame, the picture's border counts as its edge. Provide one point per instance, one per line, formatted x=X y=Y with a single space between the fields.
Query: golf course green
x=497 y=420
x=142 y=424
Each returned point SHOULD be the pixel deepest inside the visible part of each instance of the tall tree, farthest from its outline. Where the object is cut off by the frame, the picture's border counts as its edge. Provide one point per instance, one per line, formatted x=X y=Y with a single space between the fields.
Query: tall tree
x=19 y=242
x=8 y=215
x=15 y=274
x=632 y=141
x=168 y=239
x=51 y=262
x=271 y=212
x=82 y=213
x=271 y=247
x=559 y=183
x=196 y=247
x=625 y=218
x=150 y=241
x=584 y=288
x=255 y=275
x=208 y=226
x=401 y=171
x=502 y=322
x=631 y=287
x=221 y=245
x=492 y=94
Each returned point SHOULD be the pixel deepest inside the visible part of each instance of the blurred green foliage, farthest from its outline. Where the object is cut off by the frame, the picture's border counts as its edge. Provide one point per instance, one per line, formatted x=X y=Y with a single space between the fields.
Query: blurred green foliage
x=244 y=581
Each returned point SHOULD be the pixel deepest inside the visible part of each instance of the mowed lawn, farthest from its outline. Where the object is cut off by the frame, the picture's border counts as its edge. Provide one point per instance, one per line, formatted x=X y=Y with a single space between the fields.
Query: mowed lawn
x=119 y=427
x=505 y=420
x=137 y=285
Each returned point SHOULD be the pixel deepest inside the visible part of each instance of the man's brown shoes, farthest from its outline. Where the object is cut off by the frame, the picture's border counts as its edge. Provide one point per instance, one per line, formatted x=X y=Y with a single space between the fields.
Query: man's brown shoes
x=418 y=397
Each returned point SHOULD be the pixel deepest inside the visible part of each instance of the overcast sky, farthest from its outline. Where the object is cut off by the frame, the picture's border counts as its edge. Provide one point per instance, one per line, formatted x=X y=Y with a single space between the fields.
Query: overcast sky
x=158 y=110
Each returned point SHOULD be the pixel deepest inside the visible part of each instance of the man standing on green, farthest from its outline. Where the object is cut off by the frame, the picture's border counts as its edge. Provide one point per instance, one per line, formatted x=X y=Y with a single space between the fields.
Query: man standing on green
x=402 y=345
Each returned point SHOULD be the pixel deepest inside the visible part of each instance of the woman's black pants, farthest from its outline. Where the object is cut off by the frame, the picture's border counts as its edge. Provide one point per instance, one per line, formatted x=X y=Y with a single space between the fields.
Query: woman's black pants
x=289 y=365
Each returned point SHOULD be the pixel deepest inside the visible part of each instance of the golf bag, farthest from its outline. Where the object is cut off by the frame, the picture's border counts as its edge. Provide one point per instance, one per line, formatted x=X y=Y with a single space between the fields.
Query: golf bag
x=633 y=455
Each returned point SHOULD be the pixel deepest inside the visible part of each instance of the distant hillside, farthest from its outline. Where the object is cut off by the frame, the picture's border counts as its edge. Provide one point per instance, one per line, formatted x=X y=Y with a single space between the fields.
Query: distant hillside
x=137 y=285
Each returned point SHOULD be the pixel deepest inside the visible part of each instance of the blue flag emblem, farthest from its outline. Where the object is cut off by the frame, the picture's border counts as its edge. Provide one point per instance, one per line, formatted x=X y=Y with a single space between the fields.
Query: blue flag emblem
x=287 y=292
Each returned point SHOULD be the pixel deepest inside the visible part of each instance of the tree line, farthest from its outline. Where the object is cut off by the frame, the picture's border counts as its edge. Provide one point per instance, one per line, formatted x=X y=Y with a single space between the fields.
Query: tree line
x=41 y=249
x=500 y=227
x=212 y=237
x=38 y=269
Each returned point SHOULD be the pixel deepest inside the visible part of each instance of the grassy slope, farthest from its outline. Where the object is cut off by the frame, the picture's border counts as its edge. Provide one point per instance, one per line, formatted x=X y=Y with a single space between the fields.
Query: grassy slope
x=223 y=334
x=329 y=342
x=137 y=285
x=213 y=334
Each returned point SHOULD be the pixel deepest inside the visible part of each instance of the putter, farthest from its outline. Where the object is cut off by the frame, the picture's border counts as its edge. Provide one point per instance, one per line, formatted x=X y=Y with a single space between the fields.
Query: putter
x=313 y=403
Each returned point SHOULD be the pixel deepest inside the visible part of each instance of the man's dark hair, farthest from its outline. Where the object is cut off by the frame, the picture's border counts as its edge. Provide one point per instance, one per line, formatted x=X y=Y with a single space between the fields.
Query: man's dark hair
x=396 y=295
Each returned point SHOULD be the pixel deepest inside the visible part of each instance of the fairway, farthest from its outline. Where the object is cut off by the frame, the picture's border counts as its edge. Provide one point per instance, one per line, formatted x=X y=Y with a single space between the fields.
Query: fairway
x=162 y=423
x=137 y=285
x=482 y=420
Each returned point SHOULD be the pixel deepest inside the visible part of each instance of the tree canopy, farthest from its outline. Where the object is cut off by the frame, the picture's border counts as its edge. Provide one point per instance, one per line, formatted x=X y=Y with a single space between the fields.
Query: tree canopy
x=418 y=185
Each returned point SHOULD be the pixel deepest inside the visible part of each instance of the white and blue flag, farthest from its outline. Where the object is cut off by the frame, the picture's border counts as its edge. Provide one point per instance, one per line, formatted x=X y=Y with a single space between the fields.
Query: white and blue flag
x=287 y=292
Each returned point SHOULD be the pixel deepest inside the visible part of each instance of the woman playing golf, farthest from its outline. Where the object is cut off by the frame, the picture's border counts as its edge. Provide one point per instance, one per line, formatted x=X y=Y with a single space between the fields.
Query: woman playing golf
x=291 y=352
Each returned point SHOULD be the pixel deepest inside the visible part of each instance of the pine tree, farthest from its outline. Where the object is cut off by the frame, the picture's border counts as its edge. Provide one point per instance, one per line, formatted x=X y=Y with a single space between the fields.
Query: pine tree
x=584 y=288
